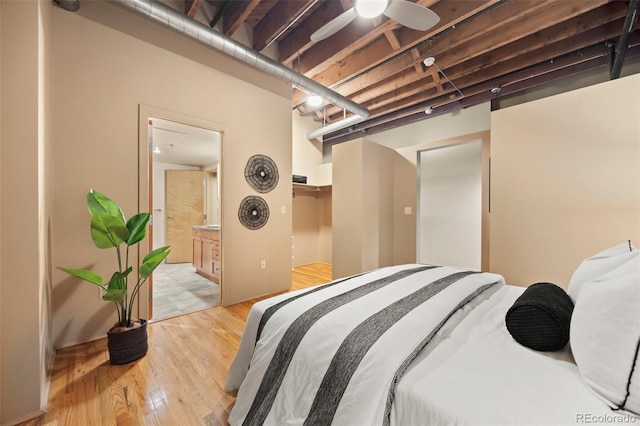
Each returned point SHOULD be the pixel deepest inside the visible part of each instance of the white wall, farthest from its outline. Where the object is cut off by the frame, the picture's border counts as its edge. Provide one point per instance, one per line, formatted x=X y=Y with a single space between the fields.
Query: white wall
x=565 y=180
x=450 y=206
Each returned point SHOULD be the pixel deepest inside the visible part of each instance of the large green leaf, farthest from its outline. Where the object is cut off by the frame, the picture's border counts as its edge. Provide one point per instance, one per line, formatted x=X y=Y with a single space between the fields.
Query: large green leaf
x=114 y=295
x=137 y=226
x=152 y=260
x=108 y=227
x=84 y=274
x=118 y=280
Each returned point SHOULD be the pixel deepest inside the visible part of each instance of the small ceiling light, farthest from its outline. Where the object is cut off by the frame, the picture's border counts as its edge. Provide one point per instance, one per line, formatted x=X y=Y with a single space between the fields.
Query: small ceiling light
x=428 y=61
x=496 y=89
x=314 y=101
x=370 y=8
x=428 y=110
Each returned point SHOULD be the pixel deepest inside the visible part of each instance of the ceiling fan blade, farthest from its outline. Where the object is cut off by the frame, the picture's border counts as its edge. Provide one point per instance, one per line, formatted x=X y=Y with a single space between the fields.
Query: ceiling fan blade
x=335 y=25
x=411 y=15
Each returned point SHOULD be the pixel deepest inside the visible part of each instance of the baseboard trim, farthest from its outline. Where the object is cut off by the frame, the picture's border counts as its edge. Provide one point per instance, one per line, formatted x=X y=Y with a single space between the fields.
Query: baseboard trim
x=26 y=418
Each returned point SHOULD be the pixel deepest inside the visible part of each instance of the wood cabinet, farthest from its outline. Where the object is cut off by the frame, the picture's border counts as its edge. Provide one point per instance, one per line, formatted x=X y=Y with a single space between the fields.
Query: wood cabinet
x=206 y=252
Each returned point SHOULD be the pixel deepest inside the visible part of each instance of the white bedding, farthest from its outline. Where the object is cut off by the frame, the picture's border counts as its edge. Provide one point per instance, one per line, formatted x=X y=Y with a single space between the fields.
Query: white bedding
x=476 y=374
x=472 y=371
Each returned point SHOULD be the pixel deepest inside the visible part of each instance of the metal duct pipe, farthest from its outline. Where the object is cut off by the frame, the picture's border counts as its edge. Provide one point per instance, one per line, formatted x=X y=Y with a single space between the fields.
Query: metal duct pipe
x=202 y=33
x=70 y=5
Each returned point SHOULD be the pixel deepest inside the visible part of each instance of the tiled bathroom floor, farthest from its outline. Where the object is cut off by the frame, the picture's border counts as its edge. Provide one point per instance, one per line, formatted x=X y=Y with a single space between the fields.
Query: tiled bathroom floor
x=178 y=289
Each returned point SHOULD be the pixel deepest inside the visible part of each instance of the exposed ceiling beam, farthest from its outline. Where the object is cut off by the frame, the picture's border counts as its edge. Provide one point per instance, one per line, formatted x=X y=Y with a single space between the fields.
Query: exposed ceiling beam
x=236 y=14
x=598 y=58
x=380 y=56
x=570 y=47
x=279 y=18
x=191 y=7
x=299 y=39
x=468 y=47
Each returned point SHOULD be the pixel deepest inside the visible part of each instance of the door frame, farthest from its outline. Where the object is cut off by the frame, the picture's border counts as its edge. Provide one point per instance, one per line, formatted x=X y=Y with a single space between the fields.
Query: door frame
x=145 y=185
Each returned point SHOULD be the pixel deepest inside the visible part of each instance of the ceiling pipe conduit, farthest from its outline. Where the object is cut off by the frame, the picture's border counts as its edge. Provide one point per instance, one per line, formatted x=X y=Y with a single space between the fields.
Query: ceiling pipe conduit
x=204 y=34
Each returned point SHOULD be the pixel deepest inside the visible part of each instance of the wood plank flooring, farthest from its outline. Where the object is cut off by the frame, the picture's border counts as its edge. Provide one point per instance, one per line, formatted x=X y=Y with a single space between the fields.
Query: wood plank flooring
x=179 y=382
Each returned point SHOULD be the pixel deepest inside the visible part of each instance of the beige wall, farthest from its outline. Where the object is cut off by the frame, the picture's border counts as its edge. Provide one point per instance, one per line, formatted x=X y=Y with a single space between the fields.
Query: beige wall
x=312 y=233
x=404 y=225
x=312 y=223
x=25 y=266
x=102 y=77
x=565 y=180
x=363 y=207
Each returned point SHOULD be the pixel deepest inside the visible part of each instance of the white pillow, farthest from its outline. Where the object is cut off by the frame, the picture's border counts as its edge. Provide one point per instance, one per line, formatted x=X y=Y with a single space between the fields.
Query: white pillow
x=599 y=264
x=605 y=335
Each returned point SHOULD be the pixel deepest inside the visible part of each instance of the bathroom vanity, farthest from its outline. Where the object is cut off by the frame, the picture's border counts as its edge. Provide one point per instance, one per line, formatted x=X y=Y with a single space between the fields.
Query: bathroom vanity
x=206 y=251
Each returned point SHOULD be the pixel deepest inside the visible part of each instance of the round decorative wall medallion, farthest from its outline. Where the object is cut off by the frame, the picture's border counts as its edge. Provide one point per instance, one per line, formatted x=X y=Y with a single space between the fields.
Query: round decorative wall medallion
x=253 y=212
x=261 y=173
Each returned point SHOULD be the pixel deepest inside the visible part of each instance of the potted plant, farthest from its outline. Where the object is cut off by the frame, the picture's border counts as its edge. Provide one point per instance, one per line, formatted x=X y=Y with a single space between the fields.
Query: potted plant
x=127 y=339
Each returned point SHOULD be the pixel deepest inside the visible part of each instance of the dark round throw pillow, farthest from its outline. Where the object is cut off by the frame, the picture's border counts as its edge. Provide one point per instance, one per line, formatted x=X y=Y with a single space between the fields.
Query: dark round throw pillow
x=540 y=318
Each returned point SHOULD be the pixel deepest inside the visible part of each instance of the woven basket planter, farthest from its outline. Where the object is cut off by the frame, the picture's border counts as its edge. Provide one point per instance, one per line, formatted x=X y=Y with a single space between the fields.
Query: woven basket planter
x=128 y=346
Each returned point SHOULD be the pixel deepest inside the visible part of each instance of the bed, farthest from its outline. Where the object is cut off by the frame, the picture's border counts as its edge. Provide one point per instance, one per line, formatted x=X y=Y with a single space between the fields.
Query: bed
x=421 y=344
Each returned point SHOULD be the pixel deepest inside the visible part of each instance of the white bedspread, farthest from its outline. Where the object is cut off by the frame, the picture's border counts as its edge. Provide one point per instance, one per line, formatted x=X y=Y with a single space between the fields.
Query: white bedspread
x=470 y=372
x=476 y=374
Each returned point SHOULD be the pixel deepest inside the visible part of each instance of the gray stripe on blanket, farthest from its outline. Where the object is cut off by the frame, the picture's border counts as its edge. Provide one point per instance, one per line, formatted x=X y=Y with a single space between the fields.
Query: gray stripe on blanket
x=268 y=313
x=355 y=346
x=289 y=342
x=386 y=421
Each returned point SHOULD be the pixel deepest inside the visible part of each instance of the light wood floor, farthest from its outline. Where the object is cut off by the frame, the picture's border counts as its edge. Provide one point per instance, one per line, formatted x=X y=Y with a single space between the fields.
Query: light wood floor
x=179 y=382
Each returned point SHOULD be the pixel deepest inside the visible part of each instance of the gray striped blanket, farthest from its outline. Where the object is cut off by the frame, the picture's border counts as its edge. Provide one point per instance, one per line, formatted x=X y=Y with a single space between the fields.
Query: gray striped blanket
x=333 y=354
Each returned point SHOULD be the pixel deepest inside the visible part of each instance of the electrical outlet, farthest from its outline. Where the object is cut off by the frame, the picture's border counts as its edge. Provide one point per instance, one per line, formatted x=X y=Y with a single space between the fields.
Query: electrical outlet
x=283 y=209
x=263 y=264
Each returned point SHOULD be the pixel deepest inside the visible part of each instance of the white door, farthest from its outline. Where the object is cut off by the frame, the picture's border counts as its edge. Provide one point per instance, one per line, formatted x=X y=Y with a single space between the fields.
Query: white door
x=450 y=206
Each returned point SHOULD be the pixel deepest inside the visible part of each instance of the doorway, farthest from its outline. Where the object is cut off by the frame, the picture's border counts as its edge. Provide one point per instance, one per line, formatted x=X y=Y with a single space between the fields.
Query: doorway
x=184 y=160
x=451 y=201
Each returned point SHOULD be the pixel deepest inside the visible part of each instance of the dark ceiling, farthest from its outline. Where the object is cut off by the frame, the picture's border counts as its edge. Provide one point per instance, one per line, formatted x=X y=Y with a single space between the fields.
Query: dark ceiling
x=483 y=49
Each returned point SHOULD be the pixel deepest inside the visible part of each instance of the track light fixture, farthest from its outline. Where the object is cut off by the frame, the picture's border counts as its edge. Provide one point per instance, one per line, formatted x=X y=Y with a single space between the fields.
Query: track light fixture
x=431 y=61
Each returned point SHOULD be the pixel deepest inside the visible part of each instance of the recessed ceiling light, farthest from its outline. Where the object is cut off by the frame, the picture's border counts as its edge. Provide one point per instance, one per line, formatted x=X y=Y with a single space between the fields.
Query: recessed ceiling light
x=314 y=100
x=428 y=110
x=496 y=89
